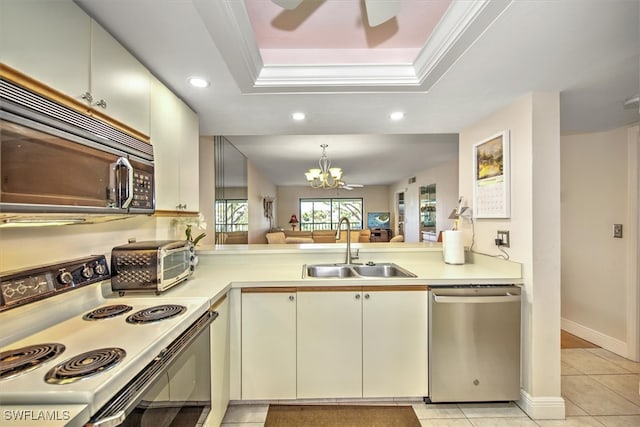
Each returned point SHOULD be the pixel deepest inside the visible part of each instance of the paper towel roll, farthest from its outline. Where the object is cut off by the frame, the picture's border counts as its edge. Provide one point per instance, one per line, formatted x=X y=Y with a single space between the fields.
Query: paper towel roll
x=453 y=247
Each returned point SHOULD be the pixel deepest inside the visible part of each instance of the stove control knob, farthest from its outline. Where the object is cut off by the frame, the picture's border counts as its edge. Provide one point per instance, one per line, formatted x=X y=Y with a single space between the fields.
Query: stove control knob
x=87 y=272
x=65 y=277
x=100 y=269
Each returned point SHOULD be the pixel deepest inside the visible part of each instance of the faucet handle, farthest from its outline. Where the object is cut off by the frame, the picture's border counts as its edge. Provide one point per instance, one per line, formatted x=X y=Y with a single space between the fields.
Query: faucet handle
x=356 y=255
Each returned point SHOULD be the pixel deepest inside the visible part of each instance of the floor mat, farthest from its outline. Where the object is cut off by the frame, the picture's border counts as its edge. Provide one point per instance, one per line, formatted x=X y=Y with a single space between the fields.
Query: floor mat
x=340 y=416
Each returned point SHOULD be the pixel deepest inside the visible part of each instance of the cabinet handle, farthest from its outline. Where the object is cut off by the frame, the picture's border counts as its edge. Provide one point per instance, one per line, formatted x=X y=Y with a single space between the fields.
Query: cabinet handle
x=181 y=206
x=291 y=297
x=366 y=296
x=87 y=97
x=357 y=296
x=102 y=104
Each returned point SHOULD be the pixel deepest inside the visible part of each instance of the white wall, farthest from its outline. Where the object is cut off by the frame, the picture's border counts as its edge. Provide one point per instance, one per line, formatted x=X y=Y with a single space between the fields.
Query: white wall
x=258 y=187
x=599 y=190
x=375 y=199
x=445 y=176
x=534 y=124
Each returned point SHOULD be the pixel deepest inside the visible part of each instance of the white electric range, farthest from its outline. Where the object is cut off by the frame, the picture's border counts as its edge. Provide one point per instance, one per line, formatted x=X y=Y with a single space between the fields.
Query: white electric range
x=76 y=357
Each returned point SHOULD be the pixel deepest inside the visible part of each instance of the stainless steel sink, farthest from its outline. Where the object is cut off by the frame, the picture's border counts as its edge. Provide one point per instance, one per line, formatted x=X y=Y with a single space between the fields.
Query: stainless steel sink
x=354 y=271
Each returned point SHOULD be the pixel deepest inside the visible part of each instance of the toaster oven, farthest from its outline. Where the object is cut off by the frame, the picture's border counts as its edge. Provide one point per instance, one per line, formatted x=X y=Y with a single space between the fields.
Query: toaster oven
x=154 y=265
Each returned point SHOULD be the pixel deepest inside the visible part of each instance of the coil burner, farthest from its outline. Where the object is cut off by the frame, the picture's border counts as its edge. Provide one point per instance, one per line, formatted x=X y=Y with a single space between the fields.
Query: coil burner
x=107 y=312
x=85 y=365
x=156 y=313
x=21 y=360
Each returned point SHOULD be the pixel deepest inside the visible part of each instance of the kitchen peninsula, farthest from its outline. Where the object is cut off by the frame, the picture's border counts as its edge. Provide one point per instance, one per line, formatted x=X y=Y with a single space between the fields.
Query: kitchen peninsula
x=256 y=289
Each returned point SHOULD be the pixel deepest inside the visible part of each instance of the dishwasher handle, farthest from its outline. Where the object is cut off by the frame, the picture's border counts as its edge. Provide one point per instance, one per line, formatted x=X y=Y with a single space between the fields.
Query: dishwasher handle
x=476 y=299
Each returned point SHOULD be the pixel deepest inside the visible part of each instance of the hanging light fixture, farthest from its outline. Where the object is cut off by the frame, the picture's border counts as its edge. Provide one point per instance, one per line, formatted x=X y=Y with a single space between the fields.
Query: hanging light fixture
x=325 y=176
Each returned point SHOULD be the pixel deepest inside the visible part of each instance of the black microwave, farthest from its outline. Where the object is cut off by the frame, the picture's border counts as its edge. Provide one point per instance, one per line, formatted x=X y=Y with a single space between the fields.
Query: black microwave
x=56 y=160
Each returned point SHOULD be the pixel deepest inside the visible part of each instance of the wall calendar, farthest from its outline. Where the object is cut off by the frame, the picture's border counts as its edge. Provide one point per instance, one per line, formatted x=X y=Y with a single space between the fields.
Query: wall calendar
x=491 y=190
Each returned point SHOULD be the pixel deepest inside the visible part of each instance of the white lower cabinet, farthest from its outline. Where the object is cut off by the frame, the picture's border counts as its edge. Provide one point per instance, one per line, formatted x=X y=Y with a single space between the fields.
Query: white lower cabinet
x=336 y=342
x=329 y=344
x=394 y=343
x=268 y=343
x=220 y=360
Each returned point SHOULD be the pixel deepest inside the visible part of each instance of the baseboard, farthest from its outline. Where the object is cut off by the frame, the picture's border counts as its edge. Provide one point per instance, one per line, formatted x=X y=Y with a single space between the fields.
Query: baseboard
x=605 y=341
x=542 y=408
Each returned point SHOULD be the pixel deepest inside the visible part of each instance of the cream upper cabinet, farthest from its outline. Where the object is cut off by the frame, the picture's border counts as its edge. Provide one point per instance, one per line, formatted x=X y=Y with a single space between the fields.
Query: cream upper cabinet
x=269 y=344
x=329 y=344
x=394 y=343
x=175 y=137
x=58 y=44
x=119 y=83
x=48 y=41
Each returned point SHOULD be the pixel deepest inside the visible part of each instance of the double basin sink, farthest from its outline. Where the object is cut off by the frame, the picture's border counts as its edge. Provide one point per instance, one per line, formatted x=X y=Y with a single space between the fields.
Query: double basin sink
x=354 y=271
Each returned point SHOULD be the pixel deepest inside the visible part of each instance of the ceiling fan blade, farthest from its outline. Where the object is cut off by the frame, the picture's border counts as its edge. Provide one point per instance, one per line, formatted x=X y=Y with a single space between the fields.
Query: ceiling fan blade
x=288 y=4
x=356 y=185
x=380 y=11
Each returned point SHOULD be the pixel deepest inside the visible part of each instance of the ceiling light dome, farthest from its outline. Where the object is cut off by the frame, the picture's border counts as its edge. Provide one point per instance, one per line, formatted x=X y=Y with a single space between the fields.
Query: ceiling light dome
x=198 y=82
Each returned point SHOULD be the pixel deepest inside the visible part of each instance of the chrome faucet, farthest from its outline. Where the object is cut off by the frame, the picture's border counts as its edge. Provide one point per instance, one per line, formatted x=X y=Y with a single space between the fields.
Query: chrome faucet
x=348 y=256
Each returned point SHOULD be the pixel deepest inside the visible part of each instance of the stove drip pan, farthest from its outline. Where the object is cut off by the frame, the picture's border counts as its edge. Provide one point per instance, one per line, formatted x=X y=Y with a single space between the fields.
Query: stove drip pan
x=156 y=313
x=107 y=312
x=85 y=365
x=21 y=360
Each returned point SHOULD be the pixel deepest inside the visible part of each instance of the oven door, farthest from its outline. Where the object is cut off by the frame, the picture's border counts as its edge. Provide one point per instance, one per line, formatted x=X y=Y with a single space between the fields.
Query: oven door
x=173 y=390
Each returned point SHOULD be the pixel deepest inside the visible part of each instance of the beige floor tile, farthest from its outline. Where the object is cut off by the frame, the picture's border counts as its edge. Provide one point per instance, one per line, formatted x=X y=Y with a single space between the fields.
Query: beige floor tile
x=437 y=410
x=503 y=422
x=620 y=421
x=625 y=385
x=246 y=414
x=627 y=364
x=444 y=422
x=571 y=422
x=595 y=399
x=572 y=410
x=589 y=363
x=491 y=410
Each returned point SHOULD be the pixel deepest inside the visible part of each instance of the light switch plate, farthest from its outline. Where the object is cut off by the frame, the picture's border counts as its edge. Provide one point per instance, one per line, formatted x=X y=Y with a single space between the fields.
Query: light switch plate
x=617 y=230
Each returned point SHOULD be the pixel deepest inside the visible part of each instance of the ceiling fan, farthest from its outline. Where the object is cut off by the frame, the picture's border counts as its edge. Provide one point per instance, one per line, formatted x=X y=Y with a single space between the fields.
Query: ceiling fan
x=343 y=185
x=377 y=11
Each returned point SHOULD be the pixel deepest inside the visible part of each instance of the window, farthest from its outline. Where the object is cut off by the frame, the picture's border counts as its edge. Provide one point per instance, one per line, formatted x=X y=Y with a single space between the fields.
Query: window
x=232 y=215
x=324 y=214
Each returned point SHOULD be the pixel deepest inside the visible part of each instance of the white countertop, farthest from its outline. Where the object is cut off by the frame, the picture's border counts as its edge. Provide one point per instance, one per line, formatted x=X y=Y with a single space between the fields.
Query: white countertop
x=221 y=268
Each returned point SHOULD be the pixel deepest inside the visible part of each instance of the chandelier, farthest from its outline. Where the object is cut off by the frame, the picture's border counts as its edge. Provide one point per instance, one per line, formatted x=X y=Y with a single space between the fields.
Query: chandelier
x=325 y=176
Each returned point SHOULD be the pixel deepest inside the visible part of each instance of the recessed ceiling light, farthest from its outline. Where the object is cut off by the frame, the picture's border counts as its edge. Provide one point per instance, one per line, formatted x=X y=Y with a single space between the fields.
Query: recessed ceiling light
x=198 y=82
x=396 y=115
x=299 y=116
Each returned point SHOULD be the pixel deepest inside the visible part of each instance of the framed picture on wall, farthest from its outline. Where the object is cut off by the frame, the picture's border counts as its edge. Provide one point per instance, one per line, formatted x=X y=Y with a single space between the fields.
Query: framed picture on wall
x=491 y=189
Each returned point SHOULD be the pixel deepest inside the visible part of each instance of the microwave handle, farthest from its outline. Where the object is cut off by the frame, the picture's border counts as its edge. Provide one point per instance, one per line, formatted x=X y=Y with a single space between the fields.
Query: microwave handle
x=123 y=162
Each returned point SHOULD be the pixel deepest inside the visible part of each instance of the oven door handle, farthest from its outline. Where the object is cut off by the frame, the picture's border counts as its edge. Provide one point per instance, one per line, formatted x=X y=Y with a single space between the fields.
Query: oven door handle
x=115 y=411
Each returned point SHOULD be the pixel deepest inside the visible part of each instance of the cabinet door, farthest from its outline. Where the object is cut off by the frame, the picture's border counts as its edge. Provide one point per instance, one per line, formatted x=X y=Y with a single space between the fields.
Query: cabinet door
x=394 y=343
x=118 y=79
x=268 y=345
x=47 y=40
x=189 y=142
x=164 y=137
x=220 y=359
x=329 y=344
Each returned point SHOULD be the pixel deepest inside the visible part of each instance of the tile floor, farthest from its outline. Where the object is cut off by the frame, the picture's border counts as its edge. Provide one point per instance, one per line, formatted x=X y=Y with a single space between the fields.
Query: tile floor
x=600 y=388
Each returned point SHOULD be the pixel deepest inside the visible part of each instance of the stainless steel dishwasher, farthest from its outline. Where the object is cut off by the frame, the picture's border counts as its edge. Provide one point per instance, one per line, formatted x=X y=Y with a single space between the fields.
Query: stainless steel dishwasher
x=474 y=343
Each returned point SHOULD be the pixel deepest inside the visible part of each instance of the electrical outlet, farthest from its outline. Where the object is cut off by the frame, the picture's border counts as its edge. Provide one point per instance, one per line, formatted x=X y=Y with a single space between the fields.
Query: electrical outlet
x=503 y=239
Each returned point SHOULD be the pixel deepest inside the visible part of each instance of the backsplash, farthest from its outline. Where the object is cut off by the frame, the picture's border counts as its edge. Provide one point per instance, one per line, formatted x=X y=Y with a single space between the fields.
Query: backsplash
x=28 y=247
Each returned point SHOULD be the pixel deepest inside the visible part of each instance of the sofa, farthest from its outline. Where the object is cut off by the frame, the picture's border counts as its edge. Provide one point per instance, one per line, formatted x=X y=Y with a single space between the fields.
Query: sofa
x=317 y=236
